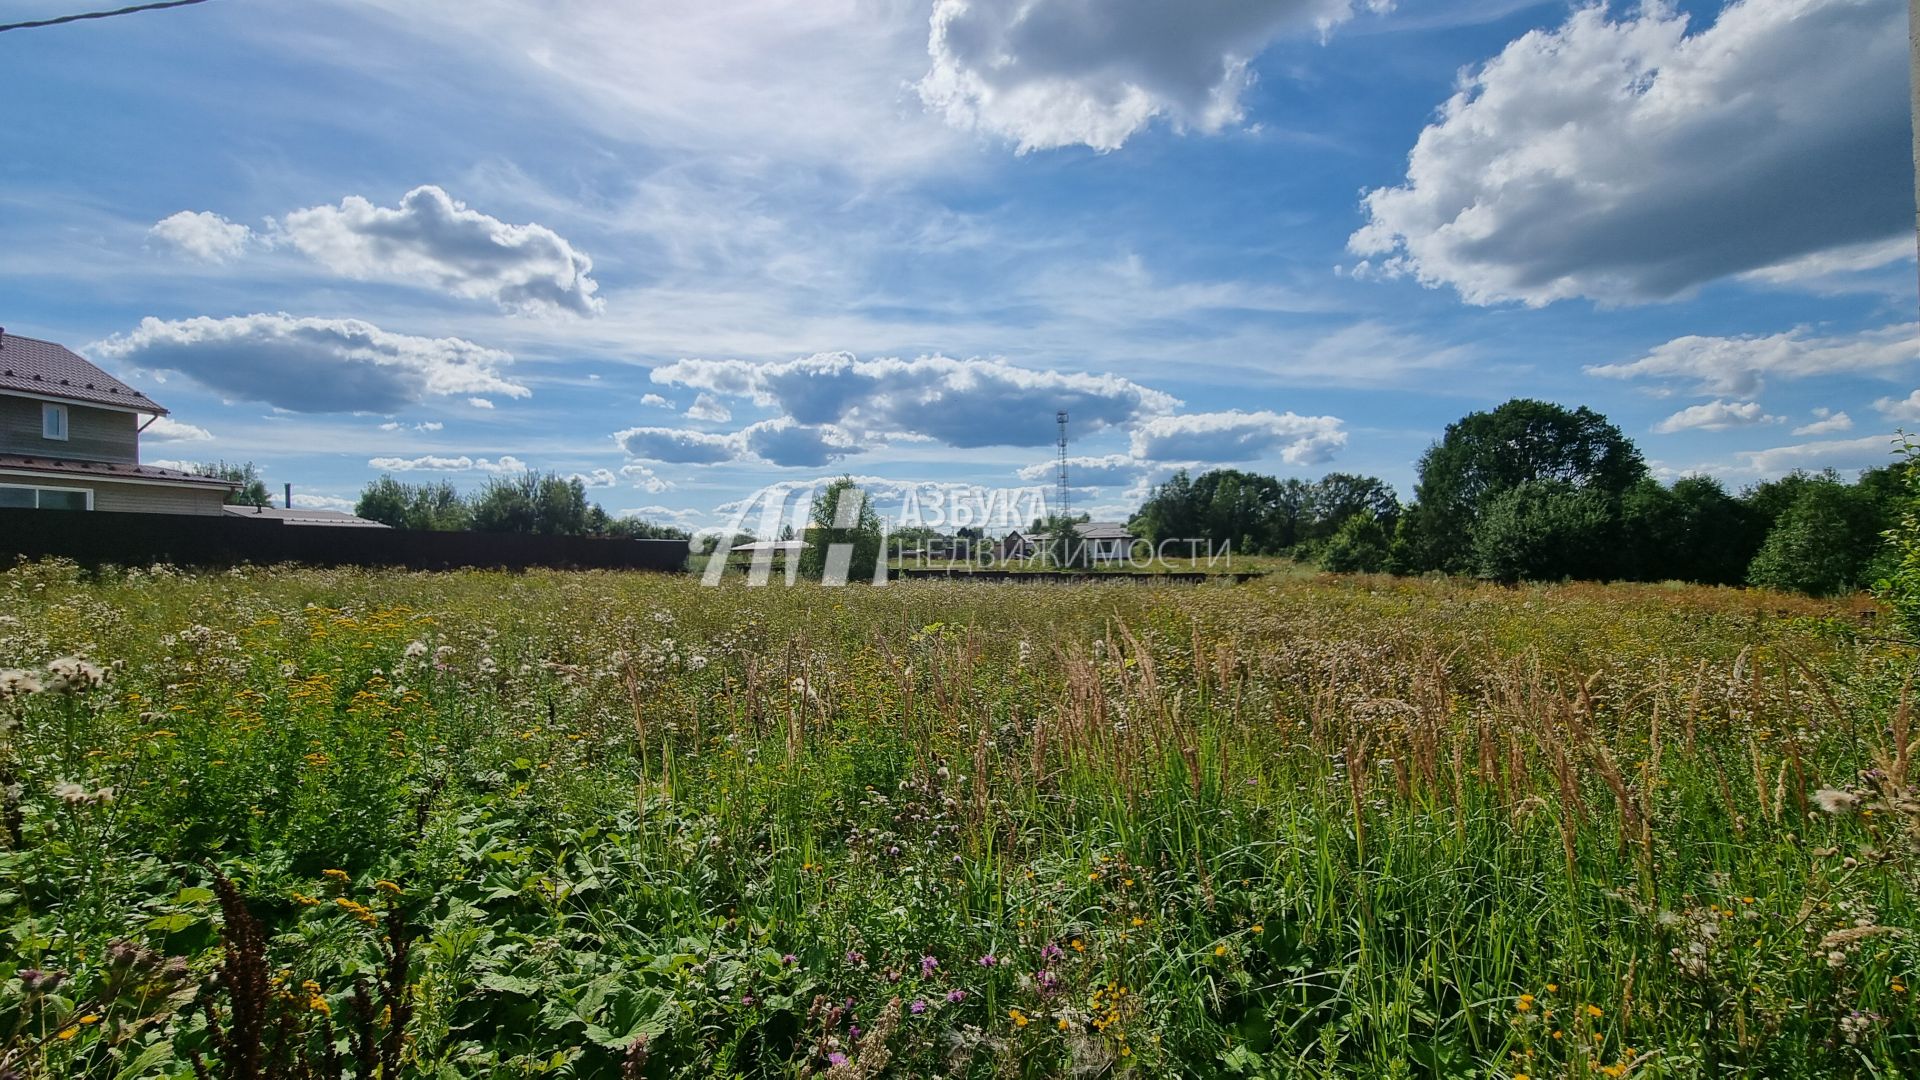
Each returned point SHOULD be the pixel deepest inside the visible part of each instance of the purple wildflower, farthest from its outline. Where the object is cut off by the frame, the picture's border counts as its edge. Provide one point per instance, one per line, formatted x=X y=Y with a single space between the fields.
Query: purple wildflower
x=927 y=964
x=989 y=960
x=747 y=1000
x=836 y=1058
x=1052 y=952
x=919 y=1006
x=856 y=959
x=789 y=960
x=853 y=1031
x=955 y=997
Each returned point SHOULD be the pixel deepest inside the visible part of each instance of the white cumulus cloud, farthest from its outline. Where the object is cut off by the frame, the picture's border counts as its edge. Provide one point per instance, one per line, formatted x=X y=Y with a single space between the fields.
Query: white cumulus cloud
x=1715 y=416
x=167 y=429
x=963 y=403
x=1741 y=365
x=202 y=234
x=1906 y=409
x=710 y=409
x=786 y=441
x=1861 y=453
x=1628 y=160
x=677 y=446
x=505 y=463
x=1050 y=73
x=1826 y=422
x=645 y=478
x=1239 y=436
x=312 y=365
x=433 y=239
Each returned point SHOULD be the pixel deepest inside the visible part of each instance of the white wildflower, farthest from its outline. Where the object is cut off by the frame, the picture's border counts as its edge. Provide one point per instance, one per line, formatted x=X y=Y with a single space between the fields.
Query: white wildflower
x=71 y=675
x=1835 y=801
x=15 y=683
x=416 y=649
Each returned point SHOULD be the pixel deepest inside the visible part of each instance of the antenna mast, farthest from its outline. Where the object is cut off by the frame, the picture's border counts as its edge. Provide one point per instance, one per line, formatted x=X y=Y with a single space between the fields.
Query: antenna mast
x=1066 y=505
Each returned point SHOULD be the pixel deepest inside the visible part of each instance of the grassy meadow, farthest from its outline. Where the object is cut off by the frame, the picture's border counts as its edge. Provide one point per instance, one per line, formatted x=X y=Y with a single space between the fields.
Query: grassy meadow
x=337 y=823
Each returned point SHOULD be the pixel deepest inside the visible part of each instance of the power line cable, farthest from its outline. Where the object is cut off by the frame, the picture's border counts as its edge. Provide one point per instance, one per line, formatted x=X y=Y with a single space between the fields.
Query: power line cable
x=59 y=19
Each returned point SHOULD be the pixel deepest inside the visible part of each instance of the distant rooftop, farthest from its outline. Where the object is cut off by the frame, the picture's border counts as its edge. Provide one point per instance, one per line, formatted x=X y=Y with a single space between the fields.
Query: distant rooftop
x=32 y=366
x=298 y=516
x=108 y=470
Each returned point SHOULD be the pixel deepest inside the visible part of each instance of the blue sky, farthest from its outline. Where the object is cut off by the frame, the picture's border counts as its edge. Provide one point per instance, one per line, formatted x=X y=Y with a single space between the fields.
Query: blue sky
x=689 y=249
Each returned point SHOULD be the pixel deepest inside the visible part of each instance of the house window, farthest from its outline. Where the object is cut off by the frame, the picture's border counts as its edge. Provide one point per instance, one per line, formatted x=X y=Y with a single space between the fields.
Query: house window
x=53 y=422
x=17 y=497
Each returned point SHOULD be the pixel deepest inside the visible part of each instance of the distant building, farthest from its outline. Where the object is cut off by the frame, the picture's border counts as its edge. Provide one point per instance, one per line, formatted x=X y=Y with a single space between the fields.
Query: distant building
x=776 y=547
x=70 y=439
x=1106 y=541
x=333 y=519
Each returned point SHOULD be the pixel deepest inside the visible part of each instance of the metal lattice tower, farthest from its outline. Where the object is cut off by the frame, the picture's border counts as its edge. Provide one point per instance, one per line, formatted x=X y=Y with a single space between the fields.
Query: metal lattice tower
x=1066 y=506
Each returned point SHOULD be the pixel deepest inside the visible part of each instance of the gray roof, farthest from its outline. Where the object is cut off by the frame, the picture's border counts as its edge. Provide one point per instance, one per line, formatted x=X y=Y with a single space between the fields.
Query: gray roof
x=107 y=470
x=32 y=366
x=775 y=546
x=300 y=516
x=1087 y=530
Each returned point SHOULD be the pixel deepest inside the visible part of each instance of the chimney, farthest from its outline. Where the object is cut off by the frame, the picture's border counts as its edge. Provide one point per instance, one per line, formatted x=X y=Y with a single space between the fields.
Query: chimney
x=3 y=337
x=289 y=496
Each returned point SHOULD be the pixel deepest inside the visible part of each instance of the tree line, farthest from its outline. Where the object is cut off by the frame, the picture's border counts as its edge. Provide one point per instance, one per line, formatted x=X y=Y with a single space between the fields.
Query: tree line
x=544 y=504
x=1533 y=491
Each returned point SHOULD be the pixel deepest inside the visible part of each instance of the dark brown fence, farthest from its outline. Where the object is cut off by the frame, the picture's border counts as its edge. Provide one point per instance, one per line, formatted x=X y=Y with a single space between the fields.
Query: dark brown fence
x=95 y=538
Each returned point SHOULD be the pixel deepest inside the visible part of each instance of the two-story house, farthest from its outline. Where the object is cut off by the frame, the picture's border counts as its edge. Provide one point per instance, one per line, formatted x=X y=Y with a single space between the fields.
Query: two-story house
x=70 y=439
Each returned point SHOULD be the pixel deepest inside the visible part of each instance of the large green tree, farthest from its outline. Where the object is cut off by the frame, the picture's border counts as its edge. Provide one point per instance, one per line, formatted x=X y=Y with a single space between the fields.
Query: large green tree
x=548 y=504
x=435 y=506
x=1484 y=455
x=842 y=523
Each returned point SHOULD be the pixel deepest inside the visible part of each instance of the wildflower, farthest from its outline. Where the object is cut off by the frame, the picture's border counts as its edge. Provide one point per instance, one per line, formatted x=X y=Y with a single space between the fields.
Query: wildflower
x=359 y=911
x=72 y=675
x=1835 y=801
x=955 y=997
x=1595 y=1011
x=1525 y=1004
x=855 y=959
x=789 y=960
x=1553 y=988
x=989 y=960
x=747 y=1000
x=15 y=683
x=1019 y=1018
x=927 y=966
x=1051 y=952
x=67 y=1033
x=919 y=1006
x=340 y=876
x=1063 y=1025
x=1078 y=945
x=836 y=1059
x=388 y=887
x=1138 y=921
x=415 y=650
x=72 y=794
x=90 y=1018
x=1219 y=950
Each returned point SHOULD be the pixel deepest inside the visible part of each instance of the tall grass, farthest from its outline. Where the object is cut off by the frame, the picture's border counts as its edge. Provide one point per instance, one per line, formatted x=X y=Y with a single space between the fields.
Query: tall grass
x=628 y=826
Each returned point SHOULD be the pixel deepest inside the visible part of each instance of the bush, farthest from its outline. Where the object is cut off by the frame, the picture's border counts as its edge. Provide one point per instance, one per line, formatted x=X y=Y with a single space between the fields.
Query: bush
x=1359 y=547
x=1544 y=530
x=1824 y=544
